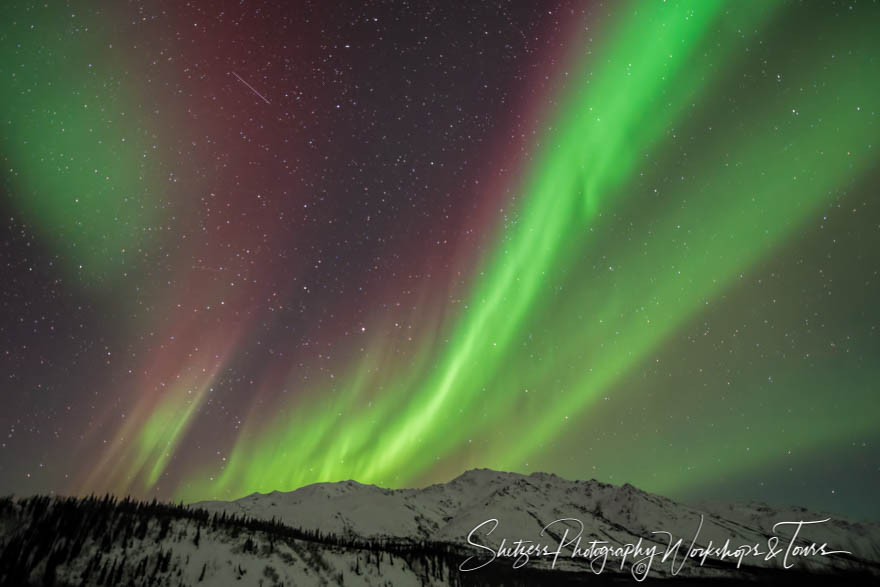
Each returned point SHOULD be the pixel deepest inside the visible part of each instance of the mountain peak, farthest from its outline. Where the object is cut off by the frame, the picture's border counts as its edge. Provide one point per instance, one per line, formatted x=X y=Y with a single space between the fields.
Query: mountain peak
x=483 y=473
x=523 y=505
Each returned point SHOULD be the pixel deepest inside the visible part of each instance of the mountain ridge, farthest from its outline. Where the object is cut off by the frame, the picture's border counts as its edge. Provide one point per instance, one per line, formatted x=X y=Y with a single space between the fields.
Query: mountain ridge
x=524 y=504
x=482 y=528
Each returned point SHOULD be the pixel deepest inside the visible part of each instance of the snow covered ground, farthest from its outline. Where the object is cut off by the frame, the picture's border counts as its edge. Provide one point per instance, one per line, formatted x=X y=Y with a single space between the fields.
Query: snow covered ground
x=352 y=534
x=525 y=504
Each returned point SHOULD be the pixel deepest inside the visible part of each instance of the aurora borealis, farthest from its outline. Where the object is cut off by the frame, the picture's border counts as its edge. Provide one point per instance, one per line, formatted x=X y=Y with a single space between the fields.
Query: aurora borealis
x=252 y=246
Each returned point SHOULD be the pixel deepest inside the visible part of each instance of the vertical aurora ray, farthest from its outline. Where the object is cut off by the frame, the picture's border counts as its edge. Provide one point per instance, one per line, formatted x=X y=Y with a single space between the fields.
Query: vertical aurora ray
x=303 y=447
x=172 y=389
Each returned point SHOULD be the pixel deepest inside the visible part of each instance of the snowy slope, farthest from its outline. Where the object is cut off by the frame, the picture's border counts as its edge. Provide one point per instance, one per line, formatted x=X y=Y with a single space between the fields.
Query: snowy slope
x=68 y=542
x=352 y=534
x=525 y=504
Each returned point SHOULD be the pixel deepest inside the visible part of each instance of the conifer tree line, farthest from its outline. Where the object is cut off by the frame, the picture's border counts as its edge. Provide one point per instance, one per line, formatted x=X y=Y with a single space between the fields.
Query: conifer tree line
x=113 y=541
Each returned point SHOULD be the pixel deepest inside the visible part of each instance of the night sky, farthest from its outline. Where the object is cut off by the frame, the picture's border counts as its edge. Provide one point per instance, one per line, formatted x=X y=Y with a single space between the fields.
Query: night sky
x=248 y=246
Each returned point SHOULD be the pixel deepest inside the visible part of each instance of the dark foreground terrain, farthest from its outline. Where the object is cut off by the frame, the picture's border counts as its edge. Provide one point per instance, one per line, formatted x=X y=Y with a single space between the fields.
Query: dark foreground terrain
x=104 y=541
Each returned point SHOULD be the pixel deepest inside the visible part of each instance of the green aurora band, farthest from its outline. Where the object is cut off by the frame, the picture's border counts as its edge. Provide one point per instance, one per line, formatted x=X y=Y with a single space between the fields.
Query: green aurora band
x=645 y=208
x=558 y=317
x=80 y=148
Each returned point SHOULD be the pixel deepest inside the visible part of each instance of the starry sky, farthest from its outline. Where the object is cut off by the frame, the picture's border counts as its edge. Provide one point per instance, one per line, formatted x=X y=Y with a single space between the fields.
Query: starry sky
x=248 y=246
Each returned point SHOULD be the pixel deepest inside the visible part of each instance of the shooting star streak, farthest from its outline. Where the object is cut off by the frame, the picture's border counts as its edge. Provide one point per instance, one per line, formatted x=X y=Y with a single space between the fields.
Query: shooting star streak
x=254 y=90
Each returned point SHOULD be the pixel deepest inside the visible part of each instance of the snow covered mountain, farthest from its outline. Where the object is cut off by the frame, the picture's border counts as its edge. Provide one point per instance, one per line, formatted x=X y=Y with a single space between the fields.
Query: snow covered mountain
x=351 y=534
x=524 y=505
